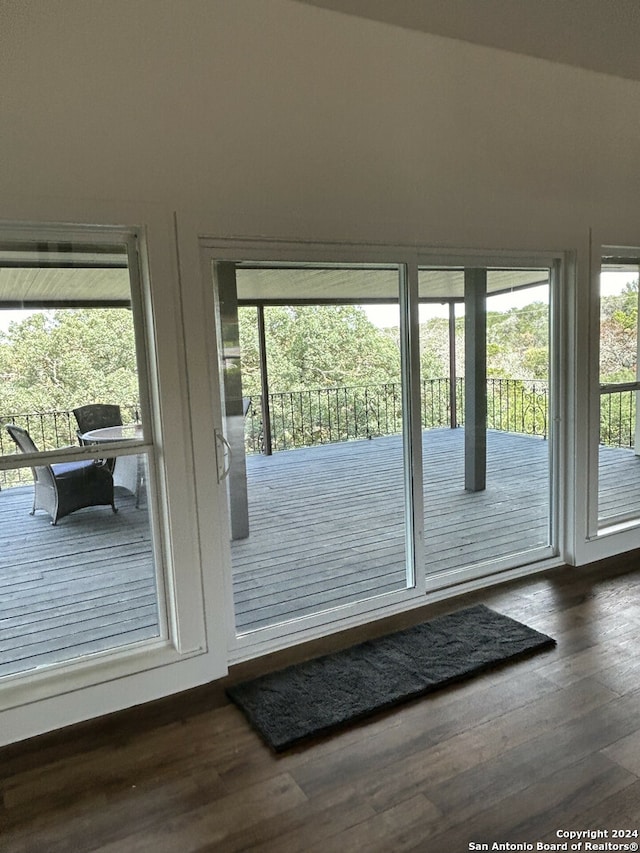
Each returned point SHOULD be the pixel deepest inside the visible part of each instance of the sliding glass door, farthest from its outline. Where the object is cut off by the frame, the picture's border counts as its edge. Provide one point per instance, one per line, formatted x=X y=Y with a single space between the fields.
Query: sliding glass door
x=313 y=448
x=486 y=403
x=387 y=430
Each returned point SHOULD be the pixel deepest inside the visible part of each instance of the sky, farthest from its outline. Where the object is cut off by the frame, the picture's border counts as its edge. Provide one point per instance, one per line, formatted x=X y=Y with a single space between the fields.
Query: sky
x=7 y=317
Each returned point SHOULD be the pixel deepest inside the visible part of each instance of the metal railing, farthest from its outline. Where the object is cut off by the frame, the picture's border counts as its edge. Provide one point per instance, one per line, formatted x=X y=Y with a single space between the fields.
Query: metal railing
x=618 y=415
x=518 y=405
x=325 y=415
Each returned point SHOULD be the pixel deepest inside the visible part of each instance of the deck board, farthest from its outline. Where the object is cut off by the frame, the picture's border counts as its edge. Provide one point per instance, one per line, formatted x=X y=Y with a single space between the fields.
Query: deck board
x=326 y=529
x=326 y=523
x=81 y=587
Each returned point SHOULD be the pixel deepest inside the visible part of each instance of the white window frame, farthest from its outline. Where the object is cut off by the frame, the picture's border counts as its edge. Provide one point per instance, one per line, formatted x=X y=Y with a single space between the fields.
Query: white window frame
x=187 y=653
x=623 y=523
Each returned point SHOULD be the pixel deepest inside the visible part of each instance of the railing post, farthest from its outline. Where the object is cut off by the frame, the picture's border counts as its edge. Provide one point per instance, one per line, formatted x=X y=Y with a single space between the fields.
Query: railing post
x=264 y=385
x=366 y=411
x=453 y=401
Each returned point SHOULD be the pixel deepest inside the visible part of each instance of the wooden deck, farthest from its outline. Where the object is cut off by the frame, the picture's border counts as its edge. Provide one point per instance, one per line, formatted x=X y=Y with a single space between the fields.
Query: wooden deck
x=84 y=586
x=326 y=523
x=327 y=526
x=326 y=529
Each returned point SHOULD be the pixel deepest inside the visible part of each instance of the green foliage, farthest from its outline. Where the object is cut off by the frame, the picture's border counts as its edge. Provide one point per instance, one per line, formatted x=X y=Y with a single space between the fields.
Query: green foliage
x=619 y=336
x=622 y=308
x=317 y=346
x=56 y=360
x=434 y=348
x=518 y=342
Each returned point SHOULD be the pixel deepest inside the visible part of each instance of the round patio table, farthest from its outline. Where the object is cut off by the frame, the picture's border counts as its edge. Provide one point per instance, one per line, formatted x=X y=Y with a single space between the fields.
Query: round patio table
x=129 y=470
x=113 y=433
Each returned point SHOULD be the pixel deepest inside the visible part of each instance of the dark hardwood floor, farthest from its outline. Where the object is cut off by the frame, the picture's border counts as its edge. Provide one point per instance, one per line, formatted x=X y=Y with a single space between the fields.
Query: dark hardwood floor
x=545 y=744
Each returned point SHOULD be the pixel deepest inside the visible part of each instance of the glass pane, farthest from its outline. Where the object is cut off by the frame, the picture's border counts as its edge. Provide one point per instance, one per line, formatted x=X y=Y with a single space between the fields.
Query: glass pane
x=78 y=573
x=313 y=406
x=486 y=487
x=619 y=473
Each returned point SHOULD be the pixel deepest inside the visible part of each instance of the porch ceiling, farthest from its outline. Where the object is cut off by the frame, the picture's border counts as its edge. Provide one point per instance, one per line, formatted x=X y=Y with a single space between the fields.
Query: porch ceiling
x=39 y=276
x=311 y=284
x=47 y=285
x=39 y=287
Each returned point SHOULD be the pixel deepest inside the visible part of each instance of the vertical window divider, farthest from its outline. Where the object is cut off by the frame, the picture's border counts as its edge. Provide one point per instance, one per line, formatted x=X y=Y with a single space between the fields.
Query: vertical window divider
x=412 y=425
x=556 y=396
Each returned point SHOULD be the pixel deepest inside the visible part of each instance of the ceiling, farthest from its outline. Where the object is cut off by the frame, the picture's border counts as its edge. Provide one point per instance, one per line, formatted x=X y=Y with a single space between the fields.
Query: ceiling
x=316 y=284
x=46 y=275
x=600 y=35
x=51 y=287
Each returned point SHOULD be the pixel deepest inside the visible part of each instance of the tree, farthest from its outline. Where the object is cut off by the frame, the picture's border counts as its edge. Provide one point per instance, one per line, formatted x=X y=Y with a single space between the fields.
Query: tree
x=56 y=360
x=518 y=342
x=619 y=335
x=434 y=348
x=317 y=346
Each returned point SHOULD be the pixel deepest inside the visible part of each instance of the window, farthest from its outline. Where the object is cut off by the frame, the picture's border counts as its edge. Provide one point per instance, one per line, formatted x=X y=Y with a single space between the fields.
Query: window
x=619 y=440
x=80 y=567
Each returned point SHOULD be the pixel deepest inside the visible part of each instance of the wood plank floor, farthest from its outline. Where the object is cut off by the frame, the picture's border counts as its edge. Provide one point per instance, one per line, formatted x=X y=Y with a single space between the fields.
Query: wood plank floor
x=81 y=587
x=326 y=523
x=545 y=744
x=619 y=482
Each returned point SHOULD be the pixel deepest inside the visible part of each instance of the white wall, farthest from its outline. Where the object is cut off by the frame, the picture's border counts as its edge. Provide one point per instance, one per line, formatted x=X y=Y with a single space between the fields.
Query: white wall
x=292 y=121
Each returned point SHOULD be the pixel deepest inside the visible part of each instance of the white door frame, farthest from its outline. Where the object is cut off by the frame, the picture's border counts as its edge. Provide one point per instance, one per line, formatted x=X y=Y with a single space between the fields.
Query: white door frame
x=278 y=637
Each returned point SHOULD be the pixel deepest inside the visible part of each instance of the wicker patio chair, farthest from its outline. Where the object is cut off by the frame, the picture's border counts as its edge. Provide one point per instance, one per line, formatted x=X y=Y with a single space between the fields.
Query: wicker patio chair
x=97 y=416
x=64 y=487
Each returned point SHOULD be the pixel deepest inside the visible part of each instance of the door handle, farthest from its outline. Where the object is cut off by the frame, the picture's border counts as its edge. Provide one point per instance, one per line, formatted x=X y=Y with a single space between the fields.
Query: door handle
x=223 y=444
